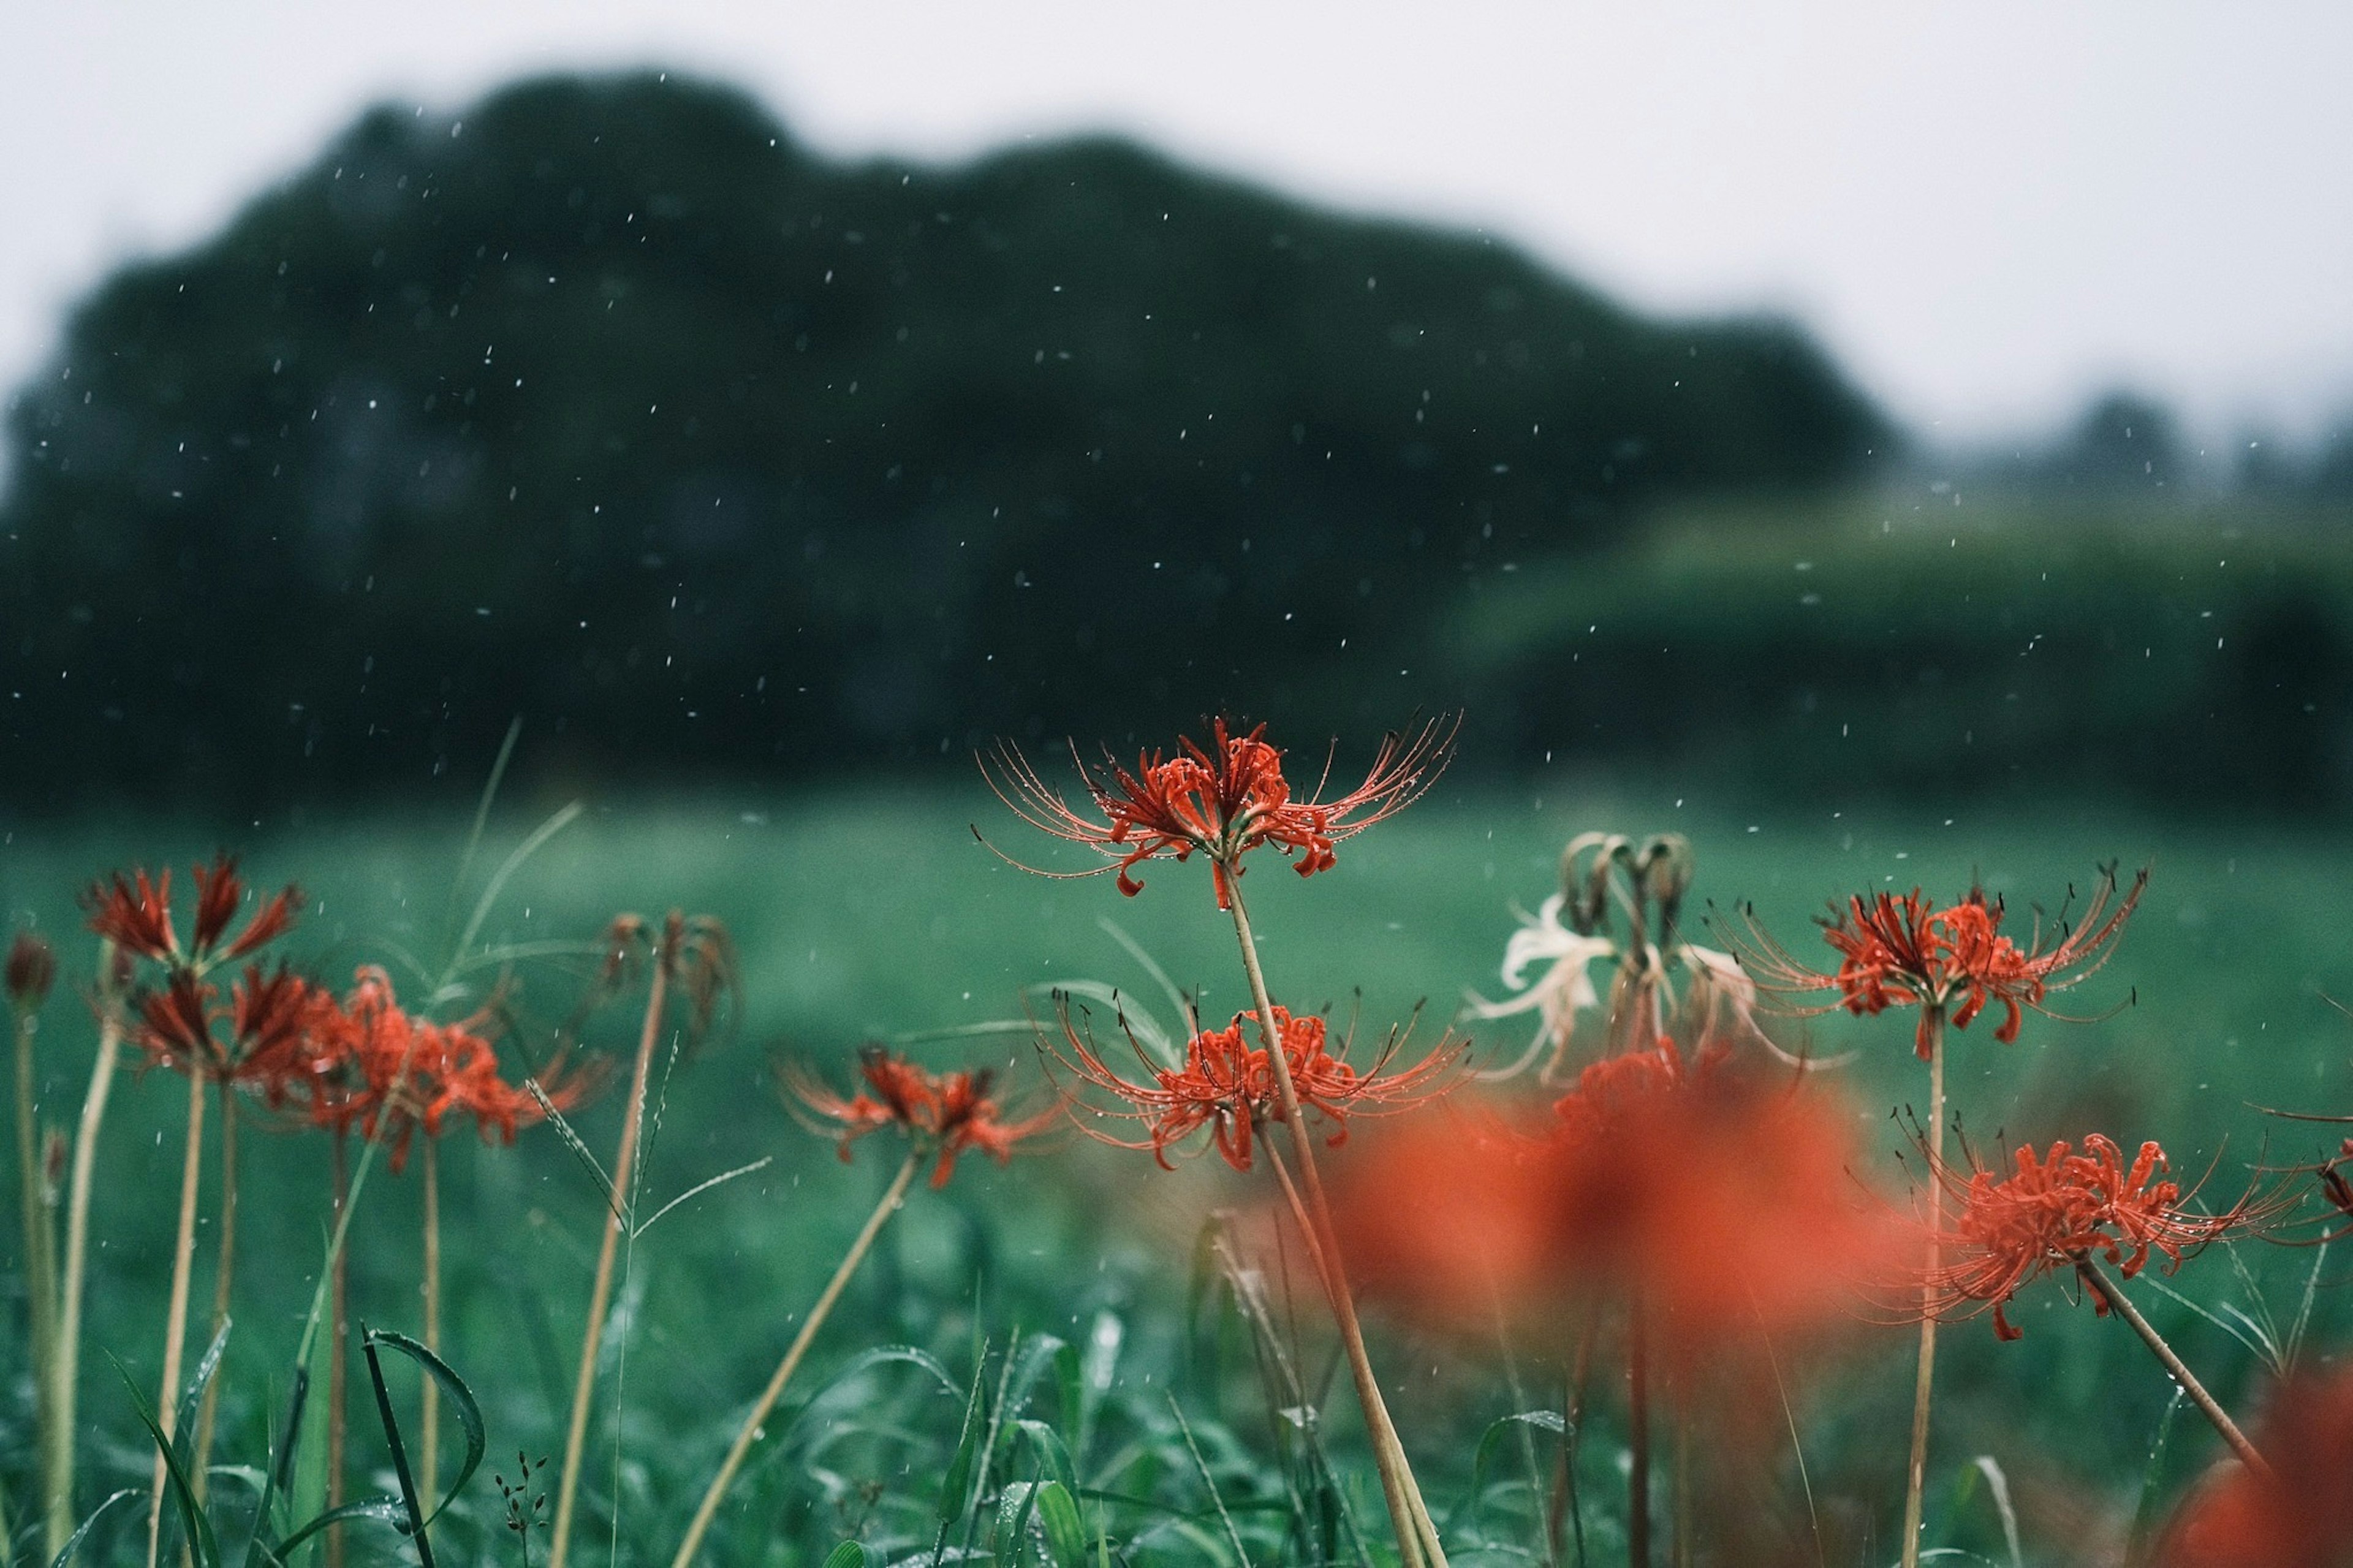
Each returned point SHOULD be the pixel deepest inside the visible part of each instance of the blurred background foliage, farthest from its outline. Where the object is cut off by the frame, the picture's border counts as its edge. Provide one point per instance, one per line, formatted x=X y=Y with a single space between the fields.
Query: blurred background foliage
x=605 y=404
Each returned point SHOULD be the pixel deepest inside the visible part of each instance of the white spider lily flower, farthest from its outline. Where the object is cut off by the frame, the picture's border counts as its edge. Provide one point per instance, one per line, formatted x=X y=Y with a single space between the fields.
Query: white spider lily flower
x=1557 y=998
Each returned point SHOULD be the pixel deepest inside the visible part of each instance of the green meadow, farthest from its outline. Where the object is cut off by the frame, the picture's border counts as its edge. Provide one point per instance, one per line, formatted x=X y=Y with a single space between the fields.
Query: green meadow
x=1073 y=1288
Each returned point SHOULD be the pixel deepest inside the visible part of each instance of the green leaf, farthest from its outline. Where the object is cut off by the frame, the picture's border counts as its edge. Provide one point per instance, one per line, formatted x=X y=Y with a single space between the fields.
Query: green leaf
x=849 y=1554
x=1066 y=1534
x=415 y=1511
x=955 y=1486
x=73 y=1542
x=1053 y=1458
x=461 y=1401
x=202 y=1546
x=1014 y=1506
x=384 y=1510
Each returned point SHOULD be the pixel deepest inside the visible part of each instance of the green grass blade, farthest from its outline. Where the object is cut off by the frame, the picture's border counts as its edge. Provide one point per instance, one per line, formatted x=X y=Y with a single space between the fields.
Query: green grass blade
x=2152 y=1479
x=462 y=1403
x=410 y=1506
x=73 y=1542
x=1066 y=1532
x=202 y=1546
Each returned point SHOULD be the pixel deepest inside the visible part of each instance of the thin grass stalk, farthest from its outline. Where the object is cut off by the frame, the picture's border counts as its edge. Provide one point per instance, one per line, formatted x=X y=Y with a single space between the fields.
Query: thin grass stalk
x=1681 y=1545
x=338 y=1348
x=429 y=1427
x=2110 y=1292
x=1417 y=1535
x=40 y=1284
x=892 y=1197
x=222 y=1274
x=600 y=1293
x=1932 y=1024
x=1638 y=1438
x=175 y=1323
x=66 y=1367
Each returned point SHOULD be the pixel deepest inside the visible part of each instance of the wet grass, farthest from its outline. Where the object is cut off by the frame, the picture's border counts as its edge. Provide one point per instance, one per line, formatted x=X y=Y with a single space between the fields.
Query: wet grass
x=1075 y=1292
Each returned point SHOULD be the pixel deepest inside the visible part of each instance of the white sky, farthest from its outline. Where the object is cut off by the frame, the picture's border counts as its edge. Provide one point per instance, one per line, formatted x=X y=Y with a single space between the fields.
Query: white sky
x=1988 y=208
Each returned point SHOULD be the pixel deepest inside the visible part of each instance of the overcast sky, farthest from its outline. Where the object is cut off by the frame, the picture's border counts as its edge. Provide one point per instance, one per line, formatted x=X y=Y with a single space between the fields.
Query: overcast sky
x=1989 y=209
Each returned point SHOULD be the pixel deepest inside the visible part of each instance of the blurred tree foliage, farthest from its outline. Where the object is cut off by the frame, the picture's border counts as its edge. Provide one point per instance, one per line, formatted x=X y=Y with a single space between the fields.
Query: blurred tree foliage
x=607 y=405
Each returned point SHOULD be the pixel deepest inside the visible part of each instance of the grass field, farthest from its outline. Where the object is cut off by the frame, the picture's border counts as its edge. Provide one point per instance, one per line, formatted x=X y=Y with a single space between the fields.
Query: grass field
x=866 y=915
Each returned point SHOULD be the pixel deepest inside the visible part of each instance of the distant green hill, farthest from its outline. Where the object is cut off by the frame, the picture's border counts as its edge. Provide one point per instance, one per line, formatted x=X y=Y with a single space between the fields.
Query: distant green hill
x=606 y=404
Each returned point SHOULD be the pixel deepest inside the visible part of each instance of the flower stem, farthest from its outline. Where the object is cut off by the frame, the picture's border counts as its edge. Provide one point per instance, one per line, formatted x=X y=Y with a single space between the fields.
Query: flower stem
x=338 y=1348
x=600 y=1292
x=2110 y=1292
x=222 y=1273
x=430 y=1443
x=67 y=1368
x=176 y=1325
x=1417 y=1535
x=40 y=1284
x=1932 y=1025
x=744 y=1437
x=1638 y=1438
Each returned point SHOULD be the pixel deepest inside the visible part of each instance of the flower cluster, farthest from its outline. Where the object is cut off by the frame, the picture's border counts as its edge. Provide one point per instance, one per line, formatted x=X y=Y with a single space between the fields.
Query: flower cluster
x=253 y=1038
x=1227 y=1084
x=941 y=1114
x=1950 y=962
x=2060 y=1211
x=1222 y=799
x=369 y=1067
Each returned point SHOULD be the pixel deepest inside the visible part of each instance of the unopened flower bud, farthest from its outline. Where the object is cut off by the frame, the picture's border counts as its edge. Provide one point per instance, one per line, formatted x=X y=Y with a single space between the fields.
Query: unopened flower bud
x=32 y=970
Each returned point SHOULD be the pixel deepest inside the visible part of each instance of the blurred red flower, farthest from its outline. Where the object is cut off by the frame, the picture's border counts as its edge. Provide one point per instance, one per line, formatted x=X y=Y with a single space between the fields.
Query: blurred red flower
x=2060 y=1210
x=2301 y=1516
x=1948 y=963
x=1228 y=1085
x=1720 y=1200
x=941 y=1114
x=257 y=1040
x=1223 y=799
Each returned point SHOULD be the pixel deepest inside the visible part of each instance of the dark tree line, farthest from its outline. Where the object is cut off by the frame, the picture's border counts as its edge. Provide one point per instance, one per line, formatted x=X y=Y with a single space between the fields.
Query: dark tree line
x=605 y=404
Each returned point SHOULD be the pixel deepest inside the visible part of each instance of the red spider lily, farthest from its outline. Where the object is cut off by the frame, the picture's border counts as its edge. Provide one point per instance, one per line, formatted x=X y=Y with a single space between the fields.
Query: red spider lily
x=1223 y=799
x=941 y=1114
x=2301 y=1516
x=136 y=916
x=2064 y=1209
x=1948 y=963
x=259 y=1040
x=374 y=1068
x=1227 y=1084
x=1720 y=1201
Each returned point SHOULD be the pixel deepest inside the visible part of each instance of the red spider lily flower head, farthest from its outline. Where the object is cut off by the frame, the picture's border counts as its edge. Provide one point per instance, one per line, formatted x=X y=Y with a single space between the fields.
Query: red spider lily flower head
x=1223 y=799
x=32 y=970
x=2064 y=1209
x=379 y=1070
x=941 y=1114
x=136 y=916
x=1949 y=962
x=1720 y=1201
x=1228 y=1085
x=2300 y=1516
x=259 y=1039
